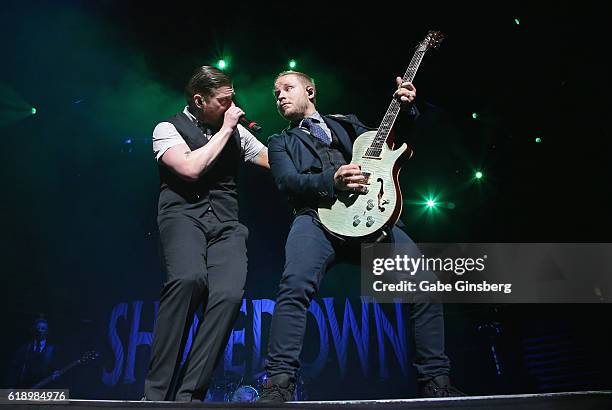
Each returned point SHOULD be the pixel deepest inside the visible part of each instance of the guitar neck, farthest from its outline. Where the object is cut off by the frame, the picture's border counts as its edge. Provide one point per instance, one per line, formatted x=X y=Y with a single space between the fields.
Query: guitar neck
x=394 y=108
x=49 y=379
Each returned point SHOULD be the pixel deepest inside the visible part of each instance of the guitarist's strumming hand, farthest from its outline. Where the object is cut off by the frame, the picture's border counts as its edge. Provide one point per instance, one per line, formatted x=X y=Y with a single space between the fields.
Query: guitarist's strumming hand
x=350 y=178
x=405 y=93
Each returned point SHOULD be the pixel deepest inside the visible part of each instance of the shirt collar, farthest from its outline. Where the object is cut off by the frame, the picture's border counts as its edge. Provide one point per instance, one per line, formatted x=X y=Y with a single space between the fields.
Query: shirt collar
x=189 y=114
x=315 y=116
x=39 y=345
x=197 y=122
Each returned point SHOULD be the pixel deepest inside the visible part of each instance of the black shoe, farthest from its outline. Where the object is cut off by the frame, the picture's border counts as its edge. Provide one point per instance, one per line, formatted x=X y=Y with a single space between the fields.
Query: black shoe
x=277 y=389
x=439 y=386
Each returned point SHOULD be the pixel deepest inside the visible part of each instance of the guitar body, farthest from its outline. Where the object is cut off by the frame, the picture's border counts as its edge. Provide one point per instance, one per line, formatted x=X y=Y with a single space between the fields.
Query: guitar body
x=355 y=215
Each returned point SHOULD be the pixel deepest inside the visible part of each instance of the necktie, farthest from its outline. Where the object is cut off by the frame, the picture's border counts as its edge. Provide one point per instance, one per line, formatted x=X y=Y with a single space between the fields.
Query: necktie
x=316 y=130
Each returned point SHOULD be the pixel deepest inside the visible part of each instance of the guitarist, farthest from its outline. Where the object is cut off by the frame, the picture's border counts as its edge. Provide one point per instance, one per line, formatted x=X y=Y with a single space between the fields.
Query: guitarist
x=34 y=360
x=310 y=162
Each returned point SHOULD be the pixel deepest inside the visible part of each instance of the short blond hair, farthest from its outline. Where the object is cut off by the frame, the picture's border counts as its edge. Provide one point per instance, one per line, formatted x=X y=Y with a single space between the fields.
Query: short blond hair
x=304 y=78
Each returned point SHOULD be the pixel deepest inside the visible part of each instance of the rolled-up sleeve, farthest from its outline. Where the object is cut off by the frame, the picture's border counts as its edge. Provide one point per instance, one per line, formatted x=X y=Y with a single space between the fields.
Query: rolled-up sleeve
x=249 y=144
x=165 y=136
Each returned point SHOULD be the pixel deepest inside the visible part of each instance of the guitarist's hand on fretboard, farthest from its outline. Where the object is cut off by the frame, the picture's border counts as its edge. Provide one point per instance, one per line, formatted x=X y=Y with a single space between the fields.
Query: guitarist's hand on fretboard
x=406 y=91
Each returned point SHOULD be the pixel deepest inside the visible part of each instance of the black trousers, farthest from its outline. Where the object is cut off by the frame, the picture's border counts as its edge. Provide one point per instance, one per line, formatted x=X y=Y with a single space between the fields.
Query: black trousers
x=309 y=253
x=206 y=265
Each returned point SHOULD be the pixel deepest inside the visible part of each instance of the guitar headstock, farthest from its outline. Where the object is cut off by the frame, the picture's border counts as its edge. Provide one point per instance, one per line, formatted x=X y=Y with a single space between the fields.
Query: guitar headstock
x=89 y=356
x=432 y=40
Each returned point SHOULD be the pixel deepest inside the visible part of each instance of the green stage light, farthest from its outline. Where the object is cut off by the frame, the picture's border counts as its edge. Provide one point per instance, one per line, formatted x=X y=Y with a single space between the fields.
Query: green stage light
x=221 y=64
x=538 y=140
x=478 y=175
x=292 y=64
x=33 y=110
x=430 y=203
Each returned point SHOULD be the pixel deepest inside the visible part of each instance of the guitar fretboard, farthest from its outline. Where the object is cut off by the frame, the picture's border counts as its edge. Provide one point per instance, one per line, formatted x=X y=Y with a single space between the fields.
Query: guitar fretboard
x=386 y=125
x=49 y=379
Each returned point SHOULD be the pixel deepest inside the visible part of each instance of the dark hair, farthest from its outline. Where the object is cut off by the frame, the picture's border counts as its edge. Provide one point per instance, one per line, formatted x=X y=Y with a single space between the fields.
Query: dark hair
x=41 y=317
x=204 y=80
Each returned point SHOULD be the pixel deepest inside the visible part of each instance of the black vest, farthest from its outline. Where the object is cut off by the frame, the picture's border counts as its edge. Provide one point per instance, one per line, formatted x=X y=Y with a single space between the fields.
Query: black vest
x=216 y=188
x=331 y=157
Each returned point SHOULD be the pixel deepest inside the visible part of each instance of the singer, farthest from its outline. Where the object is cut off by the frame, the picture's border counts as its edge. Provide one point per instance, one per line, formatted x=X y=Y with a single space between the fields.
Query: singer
x=203 y=245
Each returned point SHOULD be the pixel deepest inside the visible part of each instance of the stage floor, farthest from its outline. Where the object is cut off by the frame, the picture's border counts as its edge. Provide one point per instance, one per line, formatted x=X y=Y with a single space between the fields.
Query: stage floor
x=588 y=400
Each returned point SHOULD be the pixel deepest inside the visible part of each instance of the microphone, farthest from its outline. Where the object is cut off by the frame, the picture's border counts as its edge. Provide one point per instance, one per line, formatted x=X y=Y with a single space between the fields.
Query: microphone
x=244 y=121
x=248 y=124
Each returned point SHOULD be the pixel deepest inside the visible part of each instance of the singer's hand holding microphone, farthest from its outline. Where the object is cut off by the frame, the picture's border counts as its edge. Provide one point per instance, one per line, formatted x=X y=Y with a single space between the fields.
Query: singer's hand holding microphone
x=234 y=115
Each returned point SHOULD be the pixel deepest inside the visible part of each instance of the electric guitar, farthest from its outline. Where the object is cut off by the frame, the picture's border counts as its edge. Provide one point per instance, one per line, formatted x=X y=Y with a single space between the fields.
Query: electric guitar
x=358 y=215
x=85 y=358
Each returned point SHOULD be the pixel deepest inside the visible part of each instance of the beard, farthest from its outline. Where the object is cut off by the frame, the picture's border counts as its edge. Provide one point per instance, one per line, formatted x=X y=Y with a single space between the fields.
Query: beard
x=294 y=112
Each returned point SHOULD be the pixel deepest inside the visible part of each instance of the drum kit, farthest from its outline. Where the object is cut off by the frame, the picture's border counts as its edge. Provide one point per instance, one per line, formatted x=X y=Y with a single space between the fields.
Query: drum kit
x=231 y=388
